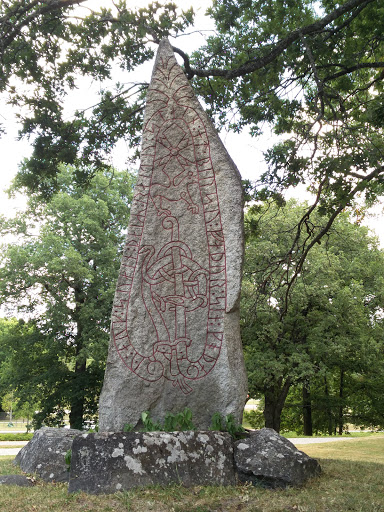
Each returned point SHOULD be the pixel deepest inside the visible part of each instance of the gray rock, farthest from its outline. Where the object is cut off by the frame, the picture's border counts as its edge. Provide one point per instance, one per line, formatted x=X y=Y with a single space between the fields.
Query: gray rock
x=175 y=337
x=19 y=480
x=44 y=455
x=270 y=460
x=110 y=462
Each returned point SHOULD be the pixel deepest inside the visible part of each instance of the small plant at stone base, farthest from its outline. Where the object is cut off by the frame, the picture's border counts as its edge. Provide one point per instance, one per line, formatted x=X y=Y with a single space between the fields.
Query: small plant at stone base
x=179 y=421
x=217 y=422
x=149 y=424
x=236 y=430
x=227 y=424
x=183 y=421
x=170 y=422
x=68 y=458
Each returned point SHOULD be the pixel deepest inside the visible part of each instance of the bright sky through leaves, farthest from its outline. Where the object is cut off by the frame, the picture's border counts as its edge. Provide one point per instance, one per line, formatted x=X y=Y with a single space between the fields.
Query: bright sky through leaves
x=245 y=151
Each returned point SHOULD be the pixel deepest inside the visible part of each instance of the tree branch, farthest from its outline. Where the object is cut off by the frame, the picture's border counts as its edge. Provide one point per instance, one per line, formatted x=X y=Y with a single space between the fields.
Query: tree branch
x=187 y=66
x=351 y=69
x=351 y=18
x=50 y=6
x=280 y=46
x=325 y=229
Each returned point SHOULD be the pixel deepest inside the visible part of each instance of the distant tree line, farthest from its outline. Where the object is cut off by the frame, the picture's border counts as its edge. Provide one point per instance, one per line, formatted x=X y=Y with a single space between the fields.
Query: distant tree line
x=312 y=72
x=317 y=365
x=59 y=276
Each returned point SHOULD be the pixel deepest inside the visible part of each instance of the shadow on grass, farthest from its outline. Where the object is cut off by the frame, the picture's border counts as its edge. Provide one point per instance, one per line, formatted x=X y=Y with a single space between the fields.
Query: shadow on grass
x=344 y=485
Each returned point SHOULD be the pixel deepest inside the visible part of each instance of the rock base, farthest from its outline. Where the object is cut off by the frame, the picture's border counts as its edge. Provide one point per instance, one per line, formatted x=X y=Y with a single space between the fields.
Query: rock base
x=265 y=458
x=18 y=480
x=44 y=455
x=108 y=462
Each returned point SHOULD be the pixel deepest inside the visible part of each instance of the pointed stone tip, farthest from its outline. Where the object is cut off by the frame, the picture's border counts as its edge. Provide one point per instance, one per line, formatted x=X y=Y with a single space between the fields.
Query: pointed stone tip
x=165 y=45
x=164 y=50
x=163 y=41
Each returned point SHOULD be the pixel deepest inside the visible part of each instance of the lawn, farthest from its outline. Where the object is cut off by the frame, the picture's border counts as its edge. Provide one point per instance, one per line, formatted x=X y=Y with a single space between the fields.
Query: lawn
x=359 y=449
x=16 y=426
x=352 y=480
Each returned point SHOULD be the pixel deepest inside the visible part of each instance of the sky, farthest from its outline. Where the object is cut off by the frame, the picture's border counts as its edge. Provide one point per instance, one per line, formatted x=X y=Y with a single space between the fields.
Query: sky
x=246 y=151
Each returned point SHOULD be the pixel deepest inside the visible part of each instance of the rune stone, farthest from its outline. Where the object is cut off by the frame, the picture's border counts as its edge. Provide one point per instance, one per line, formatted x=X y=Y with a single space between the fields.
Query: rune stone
x=175 y=334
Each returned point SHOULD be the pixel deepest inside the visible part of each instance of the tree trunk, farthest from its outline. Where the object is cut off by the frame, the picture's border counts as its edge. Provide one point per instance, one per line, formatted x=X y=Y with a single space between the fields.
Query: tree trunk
x=274 y=402
x=341 y=408
x=78 y=383
x=328 y=407
x=77 y=399
x=307 y=410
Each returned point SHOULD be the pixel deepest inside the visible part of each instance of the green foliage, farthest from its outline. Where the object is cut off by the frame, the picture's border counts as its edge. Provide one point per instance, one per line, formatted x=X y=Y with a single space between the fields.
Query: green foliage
x=275 y=47
x=47 y=48
x=148 y=424
x=179 y=421
x=255 y=418
x=172 y=422
x=227 y=424
x=309 y=70
x=17 y=436
x=232 y=427
x=183 y=421
x=68 y=458
x=61 y=272
x=217 y=421
x=333 y=325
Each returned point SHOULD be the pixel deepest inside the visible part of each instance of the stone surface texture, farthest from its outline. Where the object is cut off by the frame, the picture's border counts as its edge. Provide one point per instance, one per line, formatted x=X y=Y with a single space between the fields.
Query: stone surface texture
x=268 y=459
x=19 y=480
x=175 y=337
x=44 y=455
x=109 y=462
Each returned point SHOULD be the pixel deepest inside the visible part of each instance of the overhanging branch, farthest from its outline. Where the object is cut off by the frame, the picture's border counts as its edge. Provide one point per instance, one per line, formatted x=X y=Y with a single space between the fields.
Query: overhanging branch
x=279 y=47
x=317 y=239
x=49 y=6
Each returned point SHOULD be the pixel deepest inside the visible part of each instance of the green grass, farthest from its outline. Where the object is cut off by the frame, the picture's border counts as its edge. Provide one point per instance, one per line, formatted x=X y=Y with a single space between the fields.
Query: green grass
x=370 y=450
x=352 y=480
x=4 y=446
x=366 y=433
x=16 y=437
x=16 y=425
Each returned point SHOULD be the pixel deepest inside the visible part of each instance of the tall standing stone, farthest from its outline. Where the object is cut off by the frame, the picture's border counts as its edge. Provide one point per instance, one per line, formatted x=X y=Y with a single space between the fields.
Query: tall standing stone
x=175 y=339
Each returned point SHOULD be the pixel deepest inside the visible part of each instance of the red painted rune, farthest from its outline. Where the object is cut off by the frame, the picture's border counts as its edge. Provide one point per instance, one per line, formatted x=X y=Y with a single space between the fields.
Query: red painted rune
x=167 y=319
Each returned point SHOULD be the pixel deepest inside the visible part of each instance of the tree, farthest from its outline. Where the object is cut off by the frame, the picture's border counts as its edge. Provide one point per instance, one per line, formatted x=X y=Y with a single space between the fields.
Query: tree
x=332 y=327
x=21 y=369
x=46 y=46
x=273 y=343
x=62 y=273
x=311 y=70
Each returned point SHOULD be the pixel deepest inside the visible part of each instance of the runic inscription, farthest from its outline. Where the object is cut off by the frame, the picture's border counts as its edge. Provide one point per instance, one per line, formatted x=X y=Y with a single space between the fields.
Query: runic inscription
x=175 y=332
x=175 y=250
